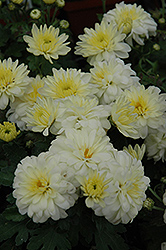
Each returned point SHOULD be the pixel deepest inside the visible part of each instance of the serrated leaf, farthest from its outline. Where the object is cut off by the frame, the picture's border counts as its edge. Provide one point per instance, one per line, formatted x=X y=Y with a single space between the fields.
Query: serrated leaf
x=107 y=235
x=47 y=238
x=10 y=228
x=11 y=213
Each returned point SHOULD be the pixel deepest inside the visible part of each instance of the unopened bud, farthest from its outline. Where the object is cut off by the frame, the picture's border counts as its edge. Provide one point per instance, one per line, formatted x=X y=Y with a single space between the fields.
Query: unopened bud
x=60 y=3
x=35 y=14
x=161 y=20
x=149 y=204
x=64 y=24
x=156 y=46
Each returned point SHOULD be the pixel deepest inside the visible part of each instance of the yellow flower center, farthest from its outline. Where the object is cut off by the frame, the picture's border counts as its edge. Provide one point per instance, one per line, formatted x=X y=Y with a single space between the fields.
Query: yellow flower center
x=95 y=186
x=6 y=77
x=140 y=106
x=40 y=185
x=46 y=41
x=66 y=87
x=87 y=154
x=100 y=40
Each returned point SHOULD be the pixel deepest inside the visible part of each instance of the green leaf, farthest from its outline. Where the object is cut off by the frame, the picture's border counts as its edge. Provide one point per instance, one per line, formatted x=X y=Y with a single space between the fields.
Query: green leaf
x=107 y=235
x=11 y=213
x=4 y=34
x=6 y=177
x=14 y=152
x=10 y=228
x=47 y=238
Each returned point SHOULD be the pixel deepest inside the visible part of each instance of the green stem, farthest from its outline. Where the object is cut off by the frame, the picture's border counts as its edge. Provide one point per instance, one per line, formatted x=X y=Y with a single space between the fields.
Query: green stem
x=156 y=195
x=104 y=5
x=158 y=208
x=163 y=8
x=54 y=14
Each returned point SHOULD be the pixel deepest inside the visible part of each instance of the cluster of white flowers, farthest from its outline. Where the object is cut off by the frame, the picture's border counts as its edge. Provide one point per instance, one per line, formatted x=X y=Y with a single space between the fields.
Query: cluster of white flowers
x=79 y=108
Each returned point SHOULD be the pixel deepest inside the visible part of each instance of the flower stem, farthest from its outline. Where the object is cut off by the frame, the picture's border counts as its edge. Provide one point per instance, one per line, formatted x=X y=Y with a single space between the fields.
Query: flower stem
x=104 y=5
x=158 y=208
x=156 y=195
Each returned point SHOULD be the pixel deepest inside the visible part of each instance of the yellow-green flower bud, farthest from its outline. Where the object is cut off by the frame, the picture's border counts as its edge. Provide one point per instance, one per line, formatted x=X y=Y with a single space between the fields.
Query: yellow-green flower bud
x=149 y=204
x=64 y=24
x=11 y=6
x=8 y=131
x=35 y=14
x=156 y=46
x=49 y=1
x=60 y=3
x=161 y=20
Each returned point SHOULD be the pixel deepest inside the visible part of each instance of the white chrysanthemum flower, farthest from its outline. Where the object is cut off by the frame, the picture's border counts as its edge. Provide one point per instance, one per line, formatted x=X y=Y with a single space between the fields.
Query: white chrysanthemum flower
x=123 y=118
x=126 y=190
x=164 y=202
x=65 y=83
x=21 y=105
x=136 y=152
x=111 y=78
x=41 y=189
x=13 y=81
x=156 y=144
x=134 y=21
x=47 y=42
x=42 y=116
x=82 y=149
x=94 y=186
x=100 y=43
x=163 y=244
x=149 y=105
x=83 y=112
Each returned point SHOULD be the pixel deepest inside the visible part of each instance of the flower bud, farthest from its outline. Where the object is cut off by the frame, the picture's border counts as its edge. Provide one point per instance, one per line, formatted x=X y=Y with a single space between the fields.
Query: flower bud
x=161 y=20
x=60 y=3
x=49 y=1
x=64 y=24
x=149 y=204
x=35 y=14
x=156 y=46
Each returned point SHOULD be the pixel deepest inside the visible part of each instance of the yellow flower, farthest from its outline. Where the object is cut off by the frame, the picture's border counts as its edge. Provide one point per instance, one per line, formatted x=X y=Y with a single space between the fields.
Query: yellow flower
x=8 y=131
x=100 y=43
x=94 y=188
x=35 y=14
x=47 y=42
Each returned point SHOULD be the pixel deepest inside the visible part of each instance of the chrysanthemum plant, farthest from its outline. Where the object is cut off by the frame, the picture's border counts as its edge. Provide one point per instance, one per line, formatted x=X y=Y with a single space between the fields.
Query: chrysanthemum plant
x=82 y=129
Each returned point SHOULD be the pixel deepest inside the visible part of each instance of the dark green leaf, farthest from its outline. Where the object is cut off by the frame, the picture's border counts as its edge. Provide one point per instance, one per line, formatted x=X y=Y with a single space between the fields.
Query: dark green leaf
x=47 y=238
x=11 y=213
x=6 y=177
x=107 y=235
x=10 y=228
